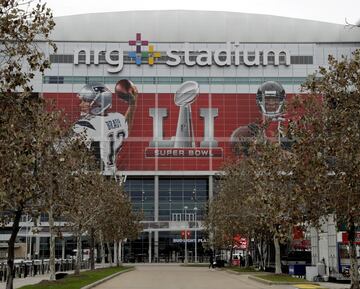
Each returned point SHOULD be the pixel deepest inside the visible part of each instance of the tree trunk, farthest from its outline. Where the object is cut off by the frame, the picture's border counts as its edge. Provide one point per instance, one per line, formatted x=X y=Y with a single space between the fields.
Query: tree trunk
x=109 y=254
x=78 y=254
x=92 y=249
x=11 y=249
x=247 y=254
x=354 y=272
x=120 y=253
x=52 y=244
x=116 y=254
x=102 y=249
x=277 y=256
x=260 y=257
x=231 y=254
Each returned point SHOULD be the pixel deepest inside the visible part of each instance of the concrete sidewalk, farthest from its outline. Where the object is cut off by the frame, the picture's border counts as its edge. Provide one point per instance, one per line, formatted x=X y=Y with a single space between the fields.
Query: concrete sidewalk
x=331 y=285
x=19 y=282
x=180 y=277
x=175 y=276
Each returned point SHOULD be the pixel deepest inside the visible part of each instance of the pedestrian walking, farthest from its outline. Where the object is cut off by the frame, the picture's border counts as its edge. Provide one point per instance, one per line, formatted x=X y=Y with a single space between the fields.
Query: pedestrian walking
x=211 y=259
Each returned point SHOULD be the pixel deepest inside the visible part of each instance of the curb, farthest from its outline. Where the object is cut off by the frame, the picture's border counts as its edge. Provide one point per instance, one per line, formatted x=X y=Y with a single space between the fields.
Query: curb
x=98 y=282
x=232 y=272
x=244 y=273
x=263 y=281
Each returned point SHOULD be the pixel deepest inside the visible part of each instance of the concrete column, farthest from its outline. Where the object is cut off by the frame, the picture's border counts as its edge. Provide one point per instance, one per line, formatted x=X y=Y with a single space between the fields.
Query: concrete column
x=211 y=187
x=156 y=199
x=37 y=247
x=63 y=249
x=156 y=246
x=211 y=196
x=156 y=218
x=150 y=247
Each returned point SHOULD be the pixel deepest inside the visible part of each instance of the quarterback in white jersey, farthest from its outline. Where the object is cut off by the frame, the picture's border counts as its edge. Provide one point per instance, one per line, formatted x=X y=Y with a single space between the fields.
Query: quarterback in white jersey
x=104 y=131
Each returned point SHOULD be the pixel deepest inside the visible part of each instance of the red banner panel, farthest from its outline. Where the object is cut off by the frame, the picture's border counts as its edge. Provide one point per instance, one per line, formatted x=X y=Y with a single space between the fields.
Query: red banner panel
x=166 y=132
x=345 y=238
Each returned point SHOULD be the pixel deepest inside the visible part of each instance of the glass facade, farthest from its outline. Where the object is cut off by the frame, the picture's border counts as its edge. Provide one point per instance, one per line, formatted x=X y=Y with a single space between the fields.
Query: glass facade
x=182 y=199
x=172 y=247
x=141 y=194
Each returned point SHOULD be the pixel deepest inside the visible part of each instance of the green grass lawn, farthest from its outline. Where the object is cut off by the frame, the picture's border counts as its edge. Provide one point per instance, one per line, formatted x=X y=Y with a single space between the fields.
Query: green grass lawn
x=76 y=282
x=280 y=278
x=243 y=269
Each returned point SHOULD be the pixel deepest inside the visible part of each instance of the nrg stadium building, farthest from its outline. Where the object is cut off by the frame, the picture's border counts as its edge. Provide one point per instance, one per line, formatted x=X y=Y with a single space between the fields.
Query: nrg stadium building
x=197 y=74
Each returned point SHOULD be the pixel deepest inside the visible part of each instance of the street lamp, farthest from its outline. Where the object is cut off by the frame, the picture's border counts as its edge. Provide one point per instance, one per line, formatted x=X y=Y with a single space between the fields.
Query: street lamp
x=186 y=227
x=196 y=241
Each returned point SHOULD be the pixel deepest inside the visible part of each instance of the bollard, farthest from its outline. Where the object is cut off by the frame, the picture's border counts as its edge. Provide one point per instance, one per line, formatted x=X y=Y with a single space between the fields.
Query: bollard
x=35 y=268
x=4 y=272
x=26 y=270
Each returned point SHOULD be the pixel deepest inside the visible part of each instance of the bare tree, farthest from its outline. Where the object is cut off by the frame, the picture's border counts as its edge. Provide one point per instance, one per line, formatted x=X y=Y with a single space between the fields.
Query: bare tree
x=327 y=152
x=26 y=127
x=22 y=22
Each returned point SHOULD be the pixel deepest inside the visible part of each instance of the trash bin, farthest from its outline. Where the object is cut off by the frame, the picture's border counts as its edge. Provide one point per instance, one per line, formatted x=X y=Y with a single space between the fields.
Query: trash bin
x=297 y=270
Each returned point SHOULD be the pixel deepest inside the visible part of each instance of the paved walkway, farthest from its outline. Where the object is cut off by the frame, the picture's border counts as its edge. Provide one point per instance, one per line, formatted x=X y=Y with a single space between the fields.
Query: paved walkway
x=174 y=276
x=19 y=282
x=178 y=277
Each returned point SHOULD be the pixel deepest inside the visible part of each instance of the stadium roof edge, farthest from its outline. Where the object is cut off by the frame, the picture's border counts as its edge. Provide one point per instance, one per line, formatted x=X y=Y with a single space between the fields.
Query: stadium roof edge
x=198 y=26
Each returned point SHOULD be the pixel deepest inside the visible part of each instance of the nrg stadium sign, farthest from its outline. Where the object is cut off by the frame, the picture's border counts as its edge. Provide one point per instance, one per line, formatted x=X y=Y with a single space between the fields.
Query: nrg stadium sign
x=231 y=54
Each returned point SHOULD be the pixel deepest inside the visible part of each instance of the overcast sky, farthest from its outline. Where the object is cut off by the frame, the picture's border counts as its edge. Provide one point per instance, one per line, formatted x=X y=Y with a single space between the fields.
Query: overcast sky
x=324 y=10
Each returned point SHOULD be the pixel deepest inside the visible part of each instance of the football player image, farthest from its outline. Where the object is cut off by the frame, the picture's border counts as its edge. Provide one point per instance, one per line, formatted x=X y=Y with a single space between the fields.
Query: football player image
x=270 y=98
x=104 y=131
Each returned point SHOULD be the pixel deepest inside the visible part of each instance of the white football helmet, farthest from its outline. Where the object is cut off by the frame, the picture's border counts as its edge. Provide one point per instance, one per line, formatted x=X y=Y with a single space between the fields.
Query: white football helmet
x=270 y=98
x=98 y=95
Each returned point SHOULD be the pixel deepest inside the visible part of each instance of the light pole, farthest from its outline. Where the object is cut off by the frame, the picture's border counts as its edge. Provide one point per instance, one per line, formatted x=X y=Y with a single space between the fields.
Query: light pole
x=142 y=201
x=186 y=227
x=170 y=213
x=196 y=241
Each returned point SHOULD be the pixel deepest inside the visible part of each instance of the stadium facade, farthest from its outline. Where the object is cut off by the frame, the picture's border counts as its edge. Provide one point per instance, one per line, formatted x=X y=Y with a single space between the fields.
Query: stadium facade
x=224 y=57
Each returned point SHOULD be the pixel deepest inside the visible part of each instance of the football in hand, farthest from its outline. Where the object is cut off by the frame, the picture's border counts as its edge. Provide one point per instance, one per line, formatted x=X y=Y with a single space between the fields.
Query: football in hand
x=126 y=90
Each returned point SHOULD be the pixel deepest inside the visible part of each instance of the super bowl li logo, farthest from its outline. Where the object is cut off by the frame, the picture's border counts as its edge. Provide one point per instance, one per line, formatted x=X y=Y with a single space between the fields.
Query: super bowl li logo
x=183 y=143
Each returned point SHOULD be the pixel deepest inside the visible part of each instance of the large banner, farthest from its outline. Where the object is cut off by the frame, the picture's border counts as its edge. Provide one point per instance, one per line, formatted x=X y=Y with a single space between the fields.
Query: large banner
x=132 y=130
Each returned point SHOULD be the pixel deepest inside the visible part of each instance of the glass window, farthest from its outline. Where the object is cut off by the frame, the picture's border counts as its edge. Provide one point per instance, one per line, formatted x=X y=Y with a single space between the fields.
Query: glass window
x=141 y=193
x=180 y=197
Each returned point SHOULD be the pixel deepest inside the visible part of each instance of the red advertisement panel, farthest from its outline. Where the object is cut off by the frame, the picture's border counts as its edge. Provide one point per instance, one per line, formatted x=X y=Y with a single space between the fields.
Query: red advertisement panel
x=345 y=238
x=166 y=131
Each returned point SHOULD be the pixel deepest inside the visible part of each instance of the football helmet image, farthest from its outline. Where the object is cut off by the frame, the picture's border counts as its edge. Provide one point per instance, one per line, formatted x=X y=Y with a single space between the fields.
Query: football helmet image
x=270 y=98
x=98 y=96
